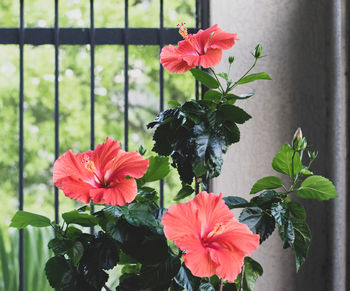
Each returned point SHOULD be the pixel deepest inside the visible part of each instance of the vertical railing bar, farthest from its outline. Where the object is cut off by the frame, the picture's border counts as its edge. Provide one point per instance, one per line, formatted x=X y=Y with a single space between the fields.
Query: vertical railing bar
x=126 y=75
x=161 y=87
x=21 y=142
x=57 y=143
x=92 y=85
x=197 y=18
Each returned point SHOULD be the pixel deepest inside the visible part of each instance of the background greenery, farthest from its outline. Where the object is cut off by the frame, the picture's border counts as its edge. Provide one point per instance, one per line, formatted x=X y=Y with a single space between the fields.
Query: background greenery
x=75 y=96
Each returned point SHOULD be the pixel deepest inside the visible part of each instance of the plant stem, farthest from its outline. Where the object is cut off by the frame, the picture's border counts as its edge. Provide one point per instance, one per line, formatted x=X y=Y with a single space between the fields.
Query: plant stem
x=221 y=284
x=217 y=79
x=236 y=83
x=241 y=288
x=104 y=286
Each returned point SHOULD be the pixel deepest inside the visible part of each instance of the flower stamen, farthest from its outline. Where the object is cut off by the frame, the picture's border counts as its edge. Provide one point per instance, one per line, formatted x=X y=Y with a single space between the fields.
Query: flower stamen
x=183 y=30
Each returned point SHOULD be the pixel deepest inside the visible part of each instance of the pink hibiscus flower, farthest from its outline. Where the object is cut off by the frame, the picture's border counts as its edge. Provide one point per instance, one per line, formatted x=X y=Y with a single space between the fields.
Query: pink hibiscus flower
x=213 y=241
x=201 y=49
x=105 y=175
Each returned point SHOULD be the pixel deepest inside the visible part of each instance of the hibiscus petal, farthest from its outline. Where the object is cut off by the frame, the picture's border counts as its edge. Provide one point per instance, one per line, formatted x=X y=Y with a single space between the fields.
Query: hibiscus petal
x=181 y=221
x=211 y=58
x=172 y=60
x=211 y=211
x=104 y=154
x=70 y=165
x=198 y=260
x=222 y=40
x=75 y=189
x=119 y=194
x=127 y=164
x=229 y=264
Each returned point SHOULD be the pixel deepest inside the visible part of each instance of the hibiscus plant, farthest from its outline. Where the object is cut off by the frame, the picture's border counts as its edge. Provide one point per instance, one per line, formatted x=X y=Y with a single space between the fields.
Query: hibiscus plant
x=196 y=245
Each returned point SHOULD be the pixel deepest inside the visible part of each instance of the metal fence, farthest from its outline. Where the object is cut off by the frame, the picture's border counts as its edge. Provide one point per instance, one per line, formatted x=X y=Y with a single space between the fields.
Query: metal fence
x=92 y=36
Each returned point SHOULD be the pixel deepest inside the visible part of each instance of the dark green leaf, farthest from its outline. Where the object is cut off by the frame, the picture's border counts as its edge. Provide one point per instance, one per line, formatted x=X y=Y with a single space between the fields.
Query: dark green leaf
x=205 y=78
x=212 y=95
x=160 y=275
x=252 y=270
x=297 y=210
x=269 y=182
x=56 y=269
x=206 y=286
x=80 y=218
x=234 y=202
x=224 y=76
x=254 y=77
x=240 y=96
x=282 y=162
x=317 y=187
x=158 y=168
x=231 y=132
x=23 y=218
x=266 y=198
x=285 y=226
x=76 y=252
x=258 y=221
x=73 y=232
x=60 y=246
x=185 y=191
x=302 y=241
x=140 y=215
x=233 y=113
x=186 y=280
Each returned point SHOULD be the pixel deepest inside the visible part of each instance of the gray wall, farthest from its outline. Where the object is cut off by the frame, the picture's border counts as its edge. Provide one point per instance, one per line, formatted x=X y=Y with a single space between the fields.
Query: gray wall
x=303 y=43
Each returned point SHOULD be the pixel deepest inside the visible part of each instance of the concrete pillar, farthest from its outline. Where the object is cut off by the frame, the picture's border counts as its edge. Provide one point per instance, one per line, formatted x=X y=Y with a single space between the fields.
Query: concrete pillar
x=297 y=38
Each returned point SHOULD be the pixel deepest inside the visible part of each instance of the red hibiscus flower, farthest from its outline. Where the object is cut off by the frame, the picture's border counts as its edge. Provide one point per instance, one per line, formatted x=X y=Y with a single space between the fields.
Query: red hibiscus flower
x=213 y=241
x=201 y=49
x=104 y=175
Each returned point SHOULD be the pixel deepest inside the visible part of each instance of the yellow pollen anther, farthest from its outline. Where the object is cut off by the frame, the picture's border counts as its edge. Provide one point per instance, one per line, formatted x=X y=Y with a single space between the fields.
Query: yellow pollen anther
x=183 y=30
x=218 y=229
x=89 y=165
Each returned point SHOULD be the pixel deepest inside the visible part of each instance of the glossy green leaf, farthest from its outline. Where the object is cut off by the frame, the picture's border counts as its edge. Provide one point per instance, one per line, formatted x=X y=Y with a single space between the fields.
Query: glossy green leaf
x=302 y=241
x=233 y=113
x=23 y=218
x=282 y=162
x=317 y=187
x=186 y=280
x=254 y=77
x=158 y=168
x=185 y=191
x=80 y=218
x=56 y=269
x=258 y=221
x=206 y=286
x=212 y=95
x=269 y=182
x=60 y=246
x=235 y=202
x=252 y=270
x=266 y=199
x=297 y=210
x=206 y=79
x=76 y=252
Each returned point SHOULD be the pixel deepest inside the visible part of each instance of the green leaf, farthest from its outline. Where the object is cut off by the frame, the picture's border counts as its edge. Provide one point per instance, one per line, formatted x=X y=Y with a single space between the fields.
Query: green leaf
x=302 y=241
x=317 y=187
x=258 y=221
x=252 y=270
x=285 y=226
x=254 y=77
x=23 y=218
x=233 y=113
x=174 y=102
x=185 y=191
x=212 y=95
x=205 y=78
x=266 y=199
x=186 y=280
x=140 y=215
x=60 y=246
x=234 y=201
x=282 y=162
x=269 y=182
x=56 y=269
x=79 y=218
x=306 y=172
x=76 y=252
x=158 y=168
x=206 y=286
x=239 y=97
x=160 y=275
x=224 y=76
x=297 y=210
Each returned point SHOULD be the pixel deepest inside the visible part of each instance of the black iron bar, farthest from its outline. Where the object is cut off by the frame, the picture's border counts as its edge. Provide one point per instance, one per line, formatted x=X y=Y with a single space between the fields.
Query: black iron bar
x=57 y=117
x=92 y=86
x=126 y=75
x=21 y=142
x=161 y=87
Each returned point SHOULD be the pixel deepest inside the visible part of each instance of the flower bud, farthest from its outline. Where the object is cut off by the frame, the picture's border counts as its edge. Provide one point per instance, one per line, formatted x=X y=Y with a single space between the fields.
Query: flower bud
x=231 y=59
x=312 y=155
x=258 y=51
x=299 y=142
